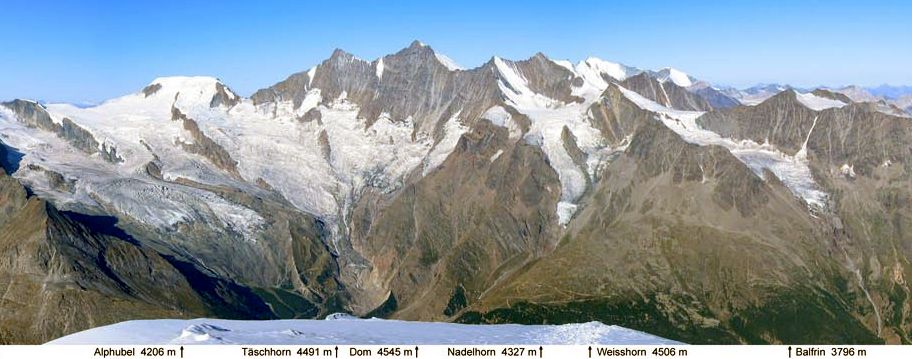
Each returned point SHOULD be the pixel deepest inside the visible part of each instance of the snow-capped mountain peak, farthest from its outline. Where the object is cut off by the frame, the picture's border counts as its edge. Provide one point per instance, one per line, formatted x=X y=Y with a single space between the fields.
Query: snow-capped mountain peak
x=448 y=62
x=613 y=69
x=676 y=76
x=191 y=89
x=361 y=171
x=565 y=64
x=817 y=103
x=184 y=82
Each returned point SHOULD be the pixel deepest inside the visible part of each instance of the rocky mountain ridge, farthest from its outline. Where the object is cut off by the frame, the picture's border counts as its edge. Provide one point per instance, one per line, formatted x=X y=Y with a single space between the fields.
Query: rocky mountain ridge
x=527 y=191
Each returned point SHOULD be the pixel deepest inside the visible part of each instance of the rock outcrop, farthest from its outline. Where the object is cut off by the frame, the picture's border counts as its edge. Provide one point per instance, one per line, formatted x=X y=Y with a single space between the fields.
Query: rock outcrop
x=34 y=115
x=530 y=191
x=665 y=93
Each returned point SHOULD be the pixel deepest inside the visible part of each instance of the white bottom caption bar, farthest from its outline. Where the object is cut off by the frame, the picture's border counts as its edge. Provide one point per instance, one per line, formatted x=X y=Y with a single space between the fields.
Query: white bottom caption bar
x=455 y=351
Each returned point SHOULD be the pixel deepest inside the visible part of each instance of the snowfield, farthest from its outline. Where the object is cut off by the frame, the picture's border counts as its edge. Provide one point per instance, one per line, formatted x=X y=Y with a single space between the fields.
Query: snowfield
x=323 y=166
x=344 y=329
x=549 y=118
x=676 y=76
x=793 y=171
x=818 y=103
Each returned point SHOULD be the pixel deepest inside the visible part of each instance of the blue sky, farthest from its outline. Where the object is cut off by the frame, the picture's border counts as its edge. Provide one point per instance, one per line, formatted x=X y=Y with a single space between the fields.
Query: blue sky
x=92 y=50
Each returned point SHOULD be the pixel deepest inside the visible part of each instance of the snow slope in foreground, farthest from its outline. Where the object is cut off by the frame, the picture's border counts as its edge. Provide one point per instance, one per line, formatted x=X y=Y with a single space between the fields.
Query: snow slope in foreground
x=348 y=330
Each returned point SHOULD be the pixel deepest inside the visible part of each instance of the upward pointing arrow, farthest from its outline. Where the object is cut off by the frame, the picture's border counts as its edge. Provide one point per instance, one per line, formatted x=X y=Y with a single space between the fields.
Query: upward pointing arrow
x=790 y=351
x=416 y=351
x=541 y=351
x=590 y=351
x=337 y=351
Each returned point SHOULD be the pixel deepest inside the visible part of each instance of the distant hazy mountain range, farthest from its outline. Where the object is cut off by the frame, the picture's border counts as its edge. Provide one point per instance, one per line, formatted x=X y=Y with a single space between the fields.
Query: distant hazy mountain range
x=532 y=191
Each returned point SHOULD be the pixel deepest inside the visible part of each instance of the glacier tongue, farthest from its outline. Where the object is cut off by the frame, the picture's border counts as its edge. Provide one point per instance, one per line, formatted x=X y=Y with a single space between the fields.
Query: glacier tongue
x=548 y=119
x=122 y=187
x=270 y=144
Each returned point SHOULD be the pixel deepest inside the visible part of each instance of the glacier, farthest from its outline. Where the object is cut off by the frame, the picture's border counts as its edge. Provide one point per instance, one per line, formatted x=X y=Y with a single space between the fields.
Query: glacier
x=817 y=103
x=344 y=329
x=793 y=171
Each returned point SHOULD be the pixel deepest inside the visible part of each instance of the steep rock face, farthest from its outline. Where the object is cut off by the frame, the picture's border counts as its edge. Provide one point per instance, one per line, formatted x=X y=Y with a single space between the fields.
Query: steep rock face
x=862 y=138
x=546 y=77
x=780 y=120
x=9 y=158
x=486 y=212
x=716 y=98
x=64 y=272
x=669 y=247
x=874 y=216
x=520 y=191
x=179 y=192
x=282 y=268
x=289 y=268
x=862 y=157
x=570 y=145
x=665 y=93
x=59 y=276
x=410 y=83
x=223 y=97
x=855 y=133
x=34 y=115
x=616 y=117
x=204 y=145
x=833 y=95
x=859 y=155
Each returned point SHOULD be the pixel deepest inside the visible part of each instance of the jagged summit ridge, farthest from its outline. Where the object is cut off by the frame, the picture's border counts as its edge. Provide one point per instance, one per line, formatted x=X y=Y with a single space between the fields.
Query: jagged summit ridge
x=402 y=187
x=674 y=75
x=547 y=95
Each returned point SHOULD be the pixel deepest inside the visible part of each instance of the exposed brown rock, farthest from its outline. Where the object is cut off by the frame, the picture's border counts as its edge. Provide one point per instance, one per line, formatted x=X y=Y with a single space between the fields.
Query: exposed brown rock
x=578 y=156
x=34 y=115
x=203 y=145
x=60 y=277
x=470 y=223
x=832 y=95
x=313 y=114
x=665 y=93
x=223 y=97
x=151 y=89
